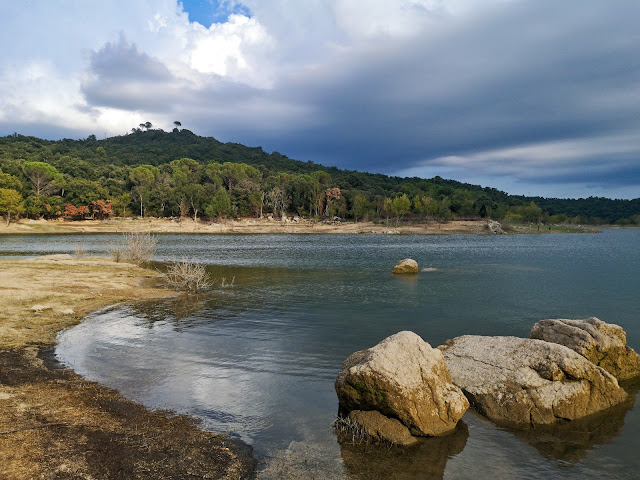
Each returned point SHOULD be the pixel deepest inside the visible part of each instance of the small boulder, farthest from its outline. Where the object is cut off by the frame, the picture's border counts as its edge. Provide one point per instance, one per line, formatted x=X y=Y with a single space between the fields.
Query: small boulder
x=521 y=381
x=380 y=427
x=604 y=344
x=404 y=378
x=406 y=266
x=494 y=228
x=40 y=308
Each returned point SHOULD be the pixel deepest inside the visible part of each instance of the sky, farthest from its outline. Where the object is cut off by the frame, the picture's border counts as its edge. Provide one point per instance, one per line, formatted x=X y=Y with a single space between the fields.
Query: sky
x=533 y=97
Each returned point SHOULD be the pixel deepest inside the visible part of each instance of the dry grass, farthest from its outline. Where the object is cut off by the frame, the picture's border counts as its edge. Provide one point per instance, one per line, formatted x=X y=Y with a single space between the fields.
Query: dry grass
x=55 y=425
x=60 y=284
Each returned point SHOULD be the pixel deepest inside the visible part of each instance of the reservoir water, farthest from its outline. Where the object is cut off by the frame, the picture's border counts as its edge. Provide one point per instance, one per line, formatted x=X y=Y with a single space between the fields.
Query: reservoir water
x=258 y=359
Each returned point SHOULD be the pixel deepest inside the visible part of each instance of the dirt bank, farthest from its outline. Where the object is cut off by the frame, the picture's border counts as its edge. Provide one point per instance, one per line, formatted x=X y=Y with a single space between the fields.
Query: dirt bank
x=54 y=424
x=187 y=225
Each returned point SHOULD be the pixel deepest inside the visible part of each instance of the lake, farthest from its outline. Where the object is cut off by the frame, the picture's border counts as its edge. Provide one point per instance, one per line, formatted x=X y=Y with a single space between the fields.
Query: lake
x=258 y=359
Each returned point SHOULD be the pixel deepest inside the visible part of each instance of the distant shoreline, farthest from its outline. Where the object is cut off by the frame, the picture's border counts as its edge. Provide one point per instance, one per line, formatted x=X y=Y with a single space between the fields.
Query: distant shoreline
x=265 y=226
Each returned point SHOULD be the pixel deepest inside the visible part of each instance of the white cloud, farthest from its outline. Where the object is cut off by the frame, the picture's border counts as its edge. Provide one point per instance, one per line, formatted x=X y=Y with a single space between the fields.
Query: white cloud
x=486 y=87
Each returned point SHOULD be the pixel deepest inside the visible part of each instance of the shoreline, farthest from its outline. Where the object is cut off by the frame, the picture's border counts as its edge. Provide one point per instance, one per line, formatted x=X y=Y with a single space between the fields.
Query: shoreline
x=266 y=226
x=55 y=424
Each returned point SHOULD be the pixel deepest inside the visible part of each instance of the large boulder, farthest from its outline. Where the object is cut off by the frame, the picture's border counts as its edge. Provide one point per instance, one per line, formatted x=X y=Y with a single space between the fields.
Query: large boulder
x=406 y=266
x=521 y=381
x=604 y=344
x=404 y=378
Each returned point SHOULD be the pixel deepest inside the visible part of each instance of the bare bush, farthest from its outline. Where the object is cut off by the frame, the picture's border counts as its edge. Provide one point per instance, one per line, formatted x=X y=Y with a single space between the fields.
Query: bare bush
x=185 y=275
x=80 y=251
x=135 y=247
x=224 y=284
x=346 y=427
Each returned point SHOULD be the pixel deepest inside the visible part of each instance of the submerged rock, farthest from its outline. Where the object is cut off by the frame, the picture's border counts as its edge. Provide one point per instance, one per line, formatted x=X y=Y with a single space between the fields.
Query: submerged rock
x=604 y=344
x=379 y=426
x=402 y=377
x=426 y=459
x=405 y=266
x=521 y=381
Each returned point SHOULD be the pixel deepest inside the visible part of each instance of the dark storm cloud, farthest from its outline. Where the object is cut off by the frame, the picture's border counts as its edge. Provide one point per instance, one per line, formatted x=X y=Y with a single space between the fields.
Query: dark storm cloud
x=526 y=74
x=521 y=76
x=121 y=76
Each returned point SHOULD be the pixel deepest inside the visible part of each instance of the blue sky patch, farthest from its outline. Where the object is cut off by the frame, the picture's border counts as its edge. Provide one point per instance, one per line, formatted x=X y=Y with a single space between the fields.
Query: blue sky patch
x=206 y=12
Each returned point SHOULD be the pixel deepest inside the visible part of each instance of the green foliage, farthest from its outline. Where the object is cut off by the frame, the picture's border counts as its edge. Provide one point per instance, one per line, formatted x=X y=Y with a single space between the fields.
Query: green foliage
x=177 y=173
x=219 y=206
x=45 y=179
x=10 y=182
x=400 y=206
x=11 y=203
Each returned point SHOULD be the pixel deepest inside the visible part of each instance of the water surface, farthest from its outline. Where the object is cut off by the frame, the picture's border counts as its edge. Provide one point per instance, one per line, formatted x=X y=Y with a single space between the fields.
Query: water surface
x=258 y=360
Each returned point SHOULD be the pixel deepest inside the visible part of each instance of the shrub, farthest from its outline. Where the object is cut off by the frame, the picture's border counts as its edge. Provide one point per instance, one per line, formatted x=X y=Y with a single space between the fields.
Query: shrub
x=135 y=247
x=189 y=276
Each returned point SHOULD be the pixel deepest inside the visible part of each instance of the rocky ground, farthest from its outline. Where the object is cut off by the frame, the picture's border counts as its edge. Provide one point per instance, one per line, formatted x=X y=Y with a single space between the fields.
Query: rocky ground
x=56 y=425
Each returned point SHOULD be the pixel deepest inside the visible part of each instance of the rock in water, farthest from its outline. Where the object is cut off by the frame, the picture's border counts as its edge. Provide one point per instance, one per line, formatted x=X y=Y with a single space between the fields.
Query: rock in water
x=402 y=377
x=406 y=266
x=521 y=381
x=378 y=426
x=604 y=344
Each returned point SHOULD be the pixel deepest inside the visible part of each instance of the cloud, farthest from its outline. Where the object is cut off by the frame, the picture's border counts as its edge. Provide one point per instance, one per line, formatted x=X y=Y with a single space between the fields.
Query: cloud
x=510 y=93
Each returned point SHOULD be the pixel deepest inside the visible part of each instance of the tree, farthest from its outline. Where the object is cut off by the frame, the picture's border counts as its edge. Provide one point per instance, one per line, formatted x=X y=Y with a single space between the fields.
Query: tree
x=11 y=203
x=332 y=194
x=484 y=206
x=360 y=207
x=10 y=182
x=194 y=196
x=278 y=200
x=177 y=124
x=400 y=206
x=44 y=177
x=219 y=206
x=143 y=178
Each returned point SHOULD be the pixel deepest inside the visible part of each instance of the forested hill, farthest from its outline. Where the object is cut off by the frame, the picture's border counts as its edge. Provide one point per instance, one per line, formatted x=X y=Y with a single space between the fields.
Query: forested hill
x=161 y=173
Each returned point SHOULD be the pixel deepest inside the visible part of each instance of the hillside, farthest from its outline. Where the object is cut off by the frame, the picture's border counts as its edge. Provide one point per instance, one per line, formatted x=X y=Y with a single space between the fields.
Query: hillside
x=179 y=173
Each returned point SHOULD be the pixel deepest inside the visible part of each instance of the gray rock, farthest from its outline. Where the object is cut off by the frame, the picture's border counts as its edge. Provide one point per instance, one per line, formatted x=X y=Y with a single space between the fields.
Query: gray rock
x=604 y=344
x=521 y=381
x=402 y=377
x=494 y=227
x=405 y=266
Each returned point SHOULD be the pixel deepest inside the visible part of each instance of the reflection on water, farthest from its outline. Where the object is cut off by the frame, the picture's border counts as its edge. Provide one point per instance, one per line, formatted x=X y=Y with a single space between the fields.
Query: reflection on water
x=426 y=459
x=259 y=359
x=570 y=441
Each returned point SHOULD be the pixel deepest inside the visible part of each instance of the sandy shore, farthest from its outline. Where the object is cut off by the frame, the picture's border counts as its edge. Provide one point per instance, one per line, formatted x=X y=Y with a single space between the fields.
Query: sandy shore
x=187 y=225
x=54 y=424
x=256 y=226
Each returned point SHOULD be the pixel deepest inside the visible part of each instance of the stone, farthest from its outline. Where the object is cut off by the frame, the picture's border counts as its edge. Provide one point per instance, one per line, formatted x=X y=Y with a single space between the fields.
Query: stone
x=406 y=266
x=66 y=311
x=402 y=377
x=494 y=228
x=40 y=308
x=522 y=382
x=377 y=425
x=604 y=344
